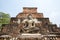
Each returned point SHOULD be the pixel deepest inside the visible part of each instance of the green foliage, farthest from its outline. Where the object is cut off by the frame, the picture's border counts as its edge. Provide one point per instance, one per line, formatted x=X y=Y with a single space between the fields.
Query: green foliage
x=4 y=18
x=4 y=15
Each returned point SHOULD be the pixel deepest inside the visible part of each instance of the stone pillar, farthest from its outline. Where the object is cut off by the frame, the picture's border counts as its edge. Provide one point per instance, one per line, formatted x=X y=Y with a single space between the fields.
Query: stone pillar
x=18 y=21
x=4 y=38
x=45 y=38
x=11 y=39
x=56 y=38
x=15 y=38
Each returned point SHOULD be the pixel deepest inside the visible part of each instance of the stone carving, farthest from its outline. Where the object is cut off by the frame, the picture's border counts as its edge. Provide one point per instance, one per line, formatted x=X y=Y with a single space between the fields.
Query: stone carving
x=29 y=24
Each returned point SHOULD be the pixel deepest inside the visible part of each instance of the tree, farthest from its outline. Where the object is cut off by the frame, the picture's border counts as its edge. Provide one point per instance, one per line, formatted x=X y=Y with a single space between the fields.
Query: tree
x=4 y=18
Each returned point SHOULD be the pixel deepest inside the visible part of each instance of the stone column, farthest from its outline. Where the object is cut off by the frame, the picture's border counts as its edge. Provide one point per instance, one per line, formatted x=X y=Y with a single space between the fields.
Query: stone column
x=45 y=38
x=11 y=39
x=56 y=38
x=18 y=21
x=4 y=38
x=15 y=38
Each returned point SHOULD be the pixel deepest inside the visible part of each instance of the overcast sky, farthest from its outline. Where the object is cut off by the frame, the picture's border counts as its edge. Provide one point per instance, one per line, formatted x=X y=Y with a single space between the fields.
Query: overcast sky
x=50 y=8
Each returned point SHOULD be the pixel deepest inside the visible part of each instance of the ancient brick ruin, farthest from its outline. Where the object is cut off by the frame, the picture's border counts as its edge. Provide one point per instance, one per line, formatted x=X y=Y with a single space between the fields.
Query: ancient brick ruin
x=30 y=25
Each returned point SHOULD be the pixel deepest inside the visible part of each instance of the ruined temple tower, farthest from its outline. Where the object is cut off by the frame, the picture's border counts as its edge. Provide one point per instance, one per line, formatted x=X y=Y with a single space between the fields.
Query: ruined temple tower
x=30 y=25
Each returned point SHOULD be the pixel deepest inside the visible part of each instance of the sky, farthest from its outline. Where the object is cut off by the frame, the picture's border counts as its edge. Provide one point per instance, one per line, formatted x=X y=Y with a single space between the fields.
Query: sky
x=50 y=8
